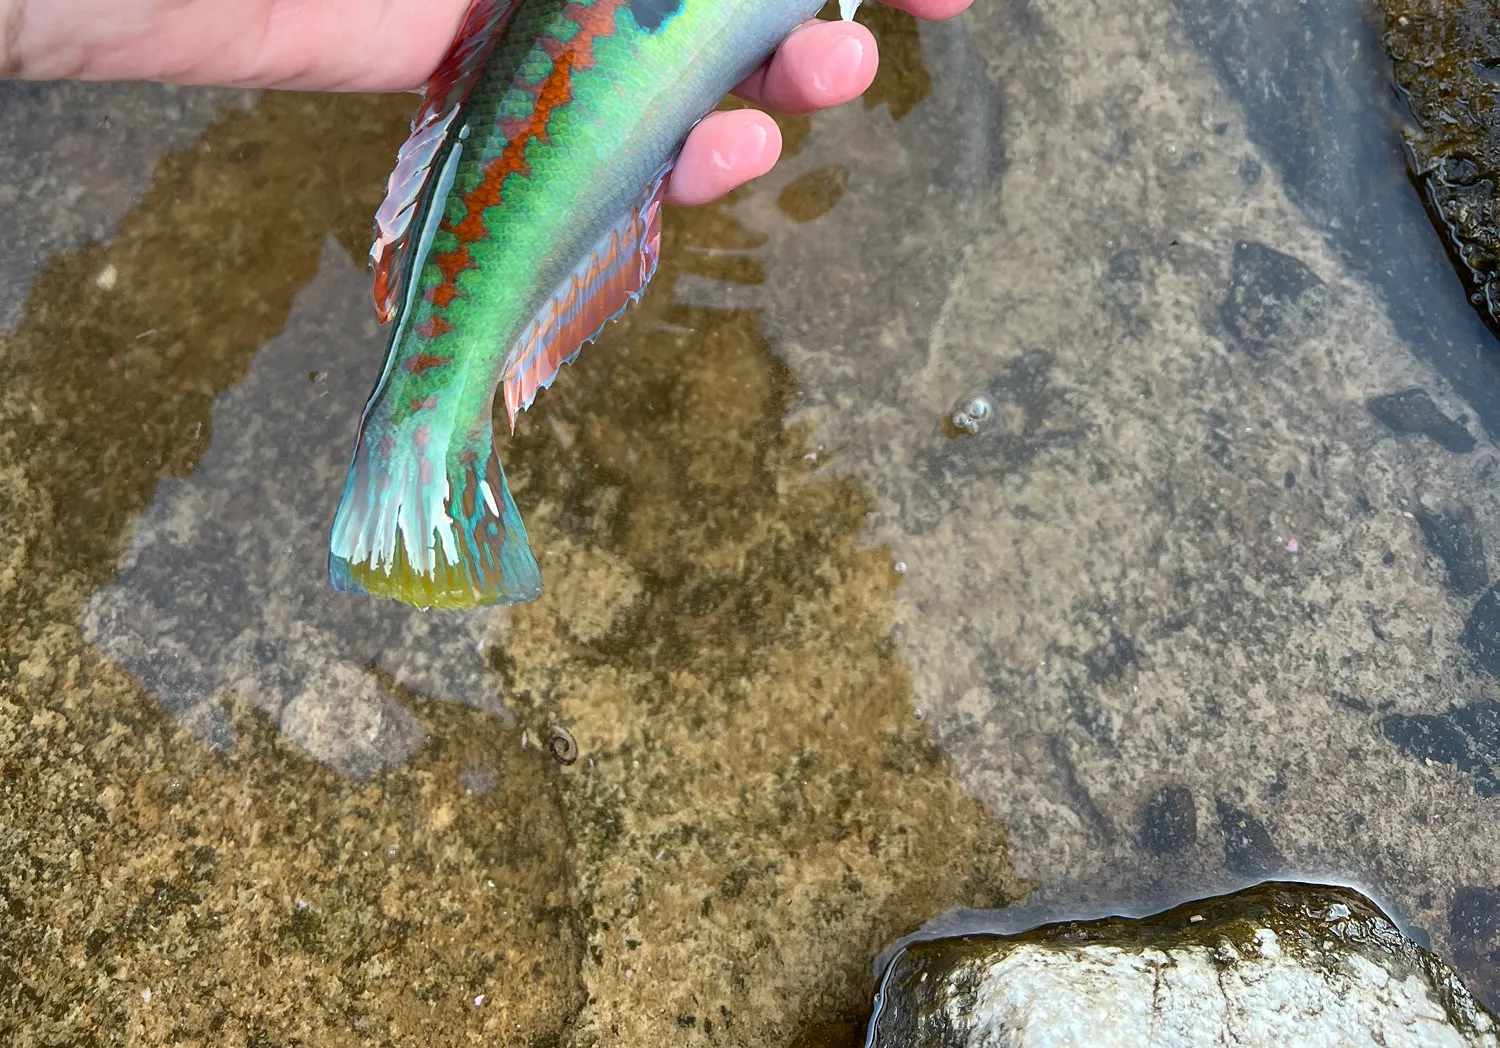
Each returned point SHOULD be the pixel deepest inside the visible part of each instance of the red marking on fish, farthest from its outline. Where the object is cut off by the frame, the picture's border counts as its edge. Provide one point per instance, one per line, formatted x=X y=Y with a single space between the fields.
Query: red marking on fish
x=384 y=291
x=594 y=20
x=451 y=84
x=556 y=90
x=434 y=327
x=425 y=362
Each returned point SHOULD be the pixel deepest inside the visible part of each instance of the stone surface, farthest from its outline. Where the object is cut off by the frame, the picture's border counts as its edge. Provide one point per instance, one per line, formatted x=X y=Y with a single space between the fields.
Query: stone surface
x=77 y=158
x=1205 y=598
x=1199 y=269
x=237 y=809
x=1275 y=965
x=223 y=591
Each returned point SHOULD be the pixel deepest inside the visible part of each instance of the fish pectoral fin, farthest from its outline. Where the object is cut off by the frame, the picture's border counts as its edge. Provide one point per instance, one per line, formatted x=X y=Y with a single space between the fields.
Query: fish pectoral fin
x=402 y=533
x=434 y=126
x=847 y=9
x=613 y=274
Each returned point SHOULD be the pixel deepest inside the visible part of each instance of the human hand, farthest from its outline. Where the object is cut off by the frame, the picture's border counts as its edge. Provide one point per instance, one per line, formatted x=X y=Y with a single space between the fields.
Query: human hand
x=390 y=45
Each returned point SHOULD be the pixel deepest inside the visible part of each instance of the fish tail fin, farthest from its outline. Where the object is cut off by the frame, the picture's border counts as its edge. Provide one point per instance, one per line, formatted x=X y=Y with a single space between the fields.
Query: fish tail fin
x=847 y=9
x=450 y=539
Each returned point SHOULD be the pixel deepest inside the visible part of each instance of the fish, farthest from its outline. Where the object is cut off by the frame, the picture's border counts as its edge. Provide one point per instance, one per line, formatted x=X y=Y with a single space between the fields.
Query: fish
x=523 y=214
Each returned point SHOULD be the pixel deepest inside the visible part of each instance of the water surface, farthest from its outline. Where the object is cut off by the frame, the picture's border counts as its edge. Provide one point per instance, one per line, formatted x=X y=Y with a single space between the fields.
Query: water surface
x=1205 y=598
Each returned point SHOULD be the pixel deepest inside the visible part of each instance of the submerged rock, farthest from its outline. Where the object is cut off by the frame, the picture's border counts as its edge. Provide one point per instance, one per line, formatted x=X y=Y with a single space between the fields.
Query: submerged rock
x=1276 y=964
x=1446 y=56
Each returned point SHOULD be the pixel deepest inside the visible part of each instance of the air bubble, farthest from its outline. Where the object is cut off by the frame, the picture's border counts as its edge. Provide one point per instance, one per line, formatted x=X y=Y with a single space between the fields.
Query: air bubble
x=976 y=411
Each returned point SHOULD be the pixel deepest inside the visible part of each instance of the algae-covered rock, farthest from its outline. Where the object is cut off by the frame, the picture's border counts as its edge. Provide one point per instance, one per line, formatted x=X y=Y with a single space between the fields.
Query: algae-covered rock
x=1276 y=964
x=1447 y=63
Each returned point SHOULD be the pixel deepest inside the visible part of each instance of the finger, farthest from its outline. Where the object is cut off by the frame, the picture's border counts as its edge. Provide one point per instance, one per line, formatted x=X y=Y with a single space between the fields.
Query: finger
x=932 y=10
x=722 y=153
x=382 y=45
x=822 y=64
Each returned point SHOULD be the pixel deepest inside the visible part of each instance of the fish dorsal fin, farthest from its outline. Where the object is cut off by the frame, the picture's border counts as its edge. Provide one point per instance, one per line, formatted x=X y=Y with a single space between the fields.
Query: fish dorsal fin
x=613 y=274
x=446 y=91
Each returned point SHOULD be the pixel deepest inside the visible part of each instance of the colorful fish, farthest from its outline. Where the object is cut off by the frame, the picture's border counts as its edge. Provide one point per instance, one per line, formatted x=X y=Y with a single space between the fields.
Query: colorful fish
x=524 y=213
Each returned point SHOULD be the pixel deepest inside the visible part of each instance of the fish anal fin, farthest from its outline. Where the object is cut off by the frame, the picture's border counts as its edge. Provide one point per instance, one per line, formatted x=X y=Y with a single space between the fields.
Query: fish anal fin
x=432 y=128
x=611 y=275
x=451 y=540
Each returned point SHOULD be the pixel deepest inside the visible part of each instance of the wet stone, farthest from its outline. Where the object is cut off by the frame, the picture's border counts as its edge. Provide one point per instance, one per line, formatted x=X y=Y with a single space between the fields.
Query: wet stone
x=1169 y=820
x=1474 y=918
x=1121 y=290
x=1271 y=299
x=1109 y=660
x=1445 y=61
x=1413 y=411
x=1465 y=737
x=1481 y=635
x=1248 y=847
x=1474 y=923
x=1454 y=538
x=1145 y=490
x=1276 y=964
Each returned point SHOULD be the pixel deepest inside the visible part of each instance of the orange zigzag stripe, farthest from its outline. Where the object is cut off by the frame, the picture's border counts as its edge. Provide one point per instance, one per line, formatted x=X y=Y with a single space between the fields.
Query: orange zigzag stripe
x=594 y=20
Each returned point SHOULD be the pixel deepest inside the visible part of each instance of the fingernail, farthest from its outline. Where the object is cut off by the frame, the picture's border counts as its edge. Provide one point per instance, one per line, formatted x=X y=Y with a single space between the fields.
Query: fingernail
x=839 y=71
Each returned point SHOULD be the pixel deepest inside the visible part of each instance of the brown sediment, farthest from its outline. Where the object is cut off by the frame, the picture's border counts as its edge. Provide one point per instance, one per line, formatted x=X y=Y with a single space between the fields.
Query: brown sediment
x=120 y=383
x=814 y=194
x=902 y=81
x=761 y=810
x=753 y=809
x=157 y=893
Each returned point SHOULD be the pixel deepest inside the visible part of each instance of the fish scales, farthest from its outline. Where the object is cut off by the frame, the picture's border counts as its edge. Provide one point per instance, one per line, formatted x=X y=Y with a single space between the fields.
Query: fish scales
x=524 y=214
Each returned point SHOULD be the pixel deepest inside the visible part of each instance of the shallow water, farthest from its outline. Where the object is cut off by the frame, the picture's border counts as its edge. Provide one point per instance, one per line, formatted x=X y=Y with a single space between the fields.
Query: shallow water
x=1203 y=599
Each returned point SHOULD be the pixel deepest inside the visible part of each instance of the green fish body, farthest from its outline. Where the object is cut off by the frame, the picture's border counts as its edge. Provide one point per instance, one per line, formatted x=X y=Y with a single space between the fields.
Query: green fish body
x=523 y=214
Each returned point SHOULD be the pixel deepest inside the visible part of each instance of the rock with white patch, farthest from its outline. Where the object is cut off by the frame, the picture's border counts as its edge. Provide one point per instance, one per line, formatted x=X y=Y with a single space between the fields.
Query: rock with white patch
x=1273 y=965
